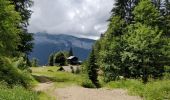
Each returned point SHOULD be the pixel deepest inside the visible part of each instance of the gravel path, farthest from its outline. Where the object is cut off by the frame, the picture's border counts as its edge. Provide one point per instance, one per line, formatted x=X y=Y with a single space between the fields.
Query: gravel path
x=44 y=86
x=80 y=93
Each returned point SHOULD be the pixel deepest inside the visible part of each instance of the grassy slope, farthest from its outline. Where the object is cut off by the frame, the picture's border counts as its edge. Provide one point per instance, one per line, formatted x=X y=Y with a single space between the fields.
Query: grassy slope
x=16 y=93
x=60 y=79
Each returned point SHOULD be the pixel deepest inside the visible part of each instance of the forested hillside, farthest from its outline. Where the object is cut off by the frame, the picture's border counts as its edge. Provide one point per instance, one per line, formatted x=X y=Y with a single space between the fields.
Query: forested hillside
x=81 y=46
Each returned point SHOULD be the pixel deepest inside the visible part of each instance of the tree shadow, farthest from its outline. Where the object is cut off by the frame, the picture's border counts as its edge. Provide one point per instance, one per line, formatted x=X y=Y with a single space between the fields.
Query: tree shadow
x=43 y=79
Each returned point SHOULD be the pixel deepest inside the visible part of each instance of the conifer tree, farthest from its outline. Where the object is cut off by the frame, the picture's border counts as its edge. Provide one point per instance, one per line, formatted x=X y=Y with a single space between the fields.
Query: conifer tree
x=51 y=60
x=23 y=8
x=71 y=52
x=123 y=9
x=92 y=69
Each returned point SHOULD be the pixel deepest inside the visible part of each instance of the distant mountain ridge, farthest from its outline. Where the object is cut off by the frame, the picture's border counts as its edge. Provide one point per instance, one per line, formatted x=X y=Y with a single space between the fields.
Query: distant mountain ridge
x=45 y=44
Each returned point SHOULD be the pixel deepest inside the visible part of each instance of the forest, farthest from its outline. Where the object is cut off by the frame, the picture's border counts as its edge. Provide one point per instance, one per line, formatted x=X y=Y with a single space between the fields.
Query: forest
x=133 y=54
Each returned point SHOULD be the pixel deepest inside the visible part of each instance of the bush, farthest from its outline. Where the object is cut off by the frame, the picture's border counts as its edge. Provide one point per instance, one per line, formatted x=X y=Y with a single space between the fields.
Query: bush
x=59 y=59
x=20 y=63
x=88 y=84
x=13 y=75
x=77 y=70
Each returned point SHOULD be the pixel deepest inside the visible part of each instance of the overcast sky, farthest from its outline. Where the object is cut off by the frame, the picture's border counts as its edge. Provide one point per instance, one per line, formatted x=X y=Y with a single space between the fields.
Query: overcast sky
x=82 y=18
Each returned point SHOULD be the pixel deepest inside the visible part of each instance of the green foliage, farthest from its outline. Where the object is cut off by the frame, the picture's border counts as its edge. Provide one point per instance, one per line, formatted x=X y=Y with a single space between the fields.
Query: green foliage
x=26 y=43
x=12 y=75
x=77 y=71
x=146 y=13
x=158 y=90
x=143 y=50
x=92 y=69
x=66 y=53
x=124 y=8
x=34 y=62
x=88 y=84
x=16 y=93
x=144 y=43
x=23 y=8
x=21 y=62
x=51 y=60
x=133 y=49
x=109 y=57
x=59 y=59
x=9 y=34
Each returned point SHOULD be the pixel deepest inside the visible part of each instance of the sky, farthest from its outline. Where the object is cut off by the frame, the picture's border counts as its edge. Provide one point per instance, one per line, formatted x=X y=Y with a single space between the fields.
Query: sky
x=81 y=18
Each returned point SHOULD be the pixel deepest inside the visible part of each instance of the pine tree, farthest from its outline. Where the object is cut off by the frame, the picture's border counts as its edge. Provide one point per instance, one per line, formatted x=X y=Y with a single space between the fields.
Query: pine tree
x=71 y=52
x=51 y=60
x=124 y=8
x=92 y=69
x=22 y=7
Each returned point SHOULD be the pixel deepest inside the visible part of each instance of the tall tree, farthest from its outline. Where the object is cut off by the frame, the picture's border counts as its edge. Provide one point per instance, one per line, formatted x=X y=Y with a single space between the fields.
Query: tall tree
x=71 y=52
x=144 y=43
x=59 y=59
x=51 y=60
x=92 y=69
x=124 y=8
x=22 y=6
x=9 y=32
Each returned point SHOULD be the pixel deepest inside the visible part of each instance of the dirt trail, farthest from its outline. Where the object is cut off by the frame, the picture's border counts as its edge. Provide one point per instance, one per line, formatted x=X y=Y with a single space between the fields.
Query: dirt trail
x=44 y=86
x=80 y=93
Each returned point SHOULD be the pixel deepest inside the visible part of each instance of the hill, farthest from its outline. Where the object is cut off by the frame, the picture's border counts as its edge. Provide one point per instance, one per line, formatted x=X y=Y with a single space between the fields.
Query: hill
x=45 y=44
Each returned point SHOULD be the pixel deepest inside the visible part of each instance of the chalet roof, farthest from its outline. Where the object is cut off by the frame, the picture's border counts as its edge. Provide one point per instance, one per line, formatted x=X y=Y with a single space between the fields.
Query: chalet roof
x=71 y=57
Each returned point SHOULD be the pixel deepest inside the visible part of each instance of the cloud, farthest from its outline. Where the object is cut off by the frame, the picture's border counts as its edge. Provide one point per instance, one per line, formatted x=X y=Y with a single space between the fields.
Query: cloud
x=84 y=18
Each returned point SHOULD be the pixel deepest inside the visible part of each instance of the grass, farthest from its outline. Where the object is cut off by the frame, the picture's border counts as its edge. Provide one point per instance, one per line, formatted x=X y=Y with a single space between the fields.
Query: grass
x=16 y=93
x=155 y=90
x=44 y=96
x=60 y=79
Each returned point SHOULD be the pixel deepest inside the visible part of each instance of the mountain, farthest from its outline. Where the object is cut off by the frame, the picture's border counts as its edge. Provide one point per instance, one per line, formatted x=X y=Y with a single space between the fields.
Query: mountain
x=45 y=44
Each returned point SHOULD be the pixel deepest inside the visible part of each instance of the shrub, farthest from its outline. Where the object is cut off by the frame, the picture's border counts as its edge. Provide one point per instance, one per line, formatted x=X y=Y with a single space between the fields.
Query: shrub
x=88 y=84
x=72 y=69
x=77 y=70
x=13 y=75
x=20 y=63
x=59 y=59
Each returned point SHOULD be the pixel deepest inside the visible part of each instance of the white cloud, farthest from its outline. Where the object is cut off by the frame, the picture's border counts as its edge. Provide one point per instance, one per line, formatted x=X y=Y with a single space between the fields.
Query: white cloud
x=85 y=18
